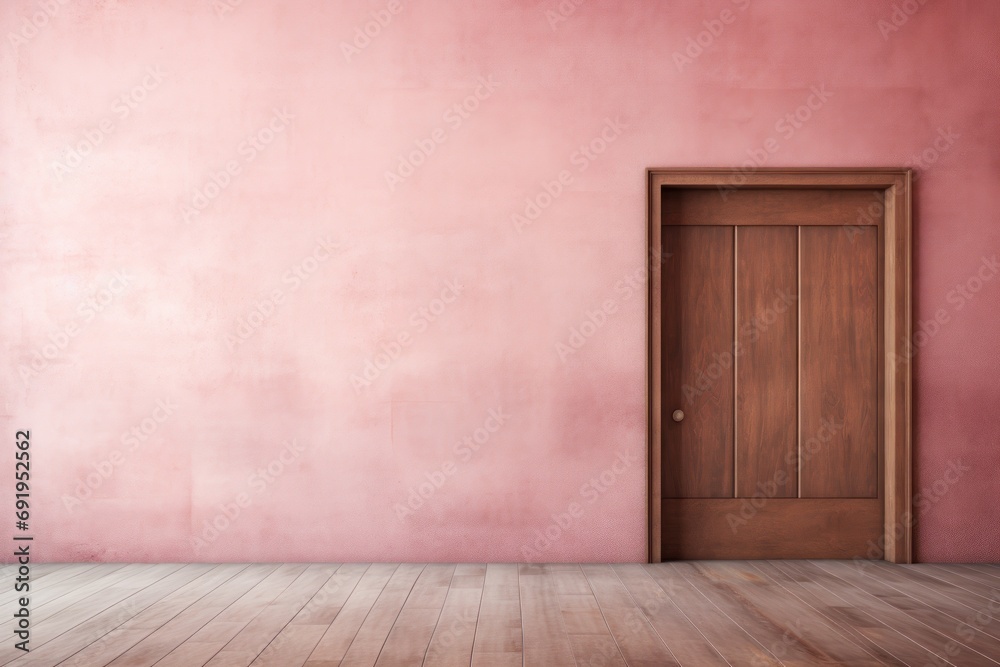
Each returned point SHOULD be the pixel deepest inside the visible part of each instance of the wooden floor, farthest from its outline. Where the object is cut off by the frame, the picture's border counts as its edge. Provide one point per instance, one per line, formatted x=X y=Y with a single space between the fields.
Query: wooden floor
x=694 y=613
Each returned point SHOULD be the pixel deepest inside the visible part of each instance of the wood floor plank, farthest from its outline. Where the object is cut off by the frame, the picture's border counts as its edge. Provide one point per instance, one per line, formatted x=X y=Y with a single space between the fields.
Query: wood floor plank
x=989 y=569
x=983 y=576
x=333 y=645
x=782 y=638
x=232 y=615
x=728 y=638
x=877 y=611
x=100 y=627
x=167 y=619
x=62 y=580
x=886 y=644
x=694 y=614
x=955 y=585
x=589 y=635
x=772 y=604
x=668 y=620
x=291 y=647
x=74 y=609
x=498 y=638
x=329 y=600
x=545 y=640
x=636 y=639
x=251 y=641
x=55 y=598
x=410 y=634
x=973 y=647
x=368 y=643
x=452 y=641
x=944 y=598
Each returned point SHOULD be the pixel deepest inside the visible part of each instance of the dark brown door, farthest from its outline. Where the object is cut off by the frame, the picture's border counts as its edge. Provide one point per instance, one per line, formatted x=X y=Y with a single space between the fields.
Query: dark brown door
x=770 y=375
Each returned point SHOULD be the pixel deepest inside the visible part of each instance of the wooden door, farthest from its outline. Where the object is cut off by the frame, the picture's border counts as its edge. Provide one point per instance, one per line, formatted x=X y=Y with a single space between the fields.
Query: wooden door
x=770 y=402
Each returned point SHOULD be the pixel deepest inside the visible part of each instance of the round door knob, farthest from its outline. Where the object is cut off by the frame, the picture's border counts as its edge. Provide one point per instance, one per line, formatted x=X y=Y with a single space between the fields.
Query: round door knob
x=678 y=415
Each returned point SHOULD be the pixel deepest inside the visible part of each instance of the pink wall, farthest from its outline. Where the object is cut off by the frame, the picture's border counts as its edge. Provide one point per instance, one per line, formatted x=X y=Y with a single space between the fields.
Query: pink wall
x=190 y=295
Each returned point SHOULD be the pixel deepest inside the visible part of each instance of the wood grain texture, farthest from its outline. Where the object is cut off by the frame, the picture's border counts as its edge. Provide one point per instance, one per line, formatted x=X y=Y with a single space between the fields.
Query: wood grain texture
x=635 y=637
x=407 y=641
x=767 y=361
x=667 y=619
x=723 y=633
x=777 y=206
x=879 y=610
x=546 y=641
x=110 y=623
x=967 y=633
x=893 y=188
x=767 y=601
x=702 y=613
x=341 y=633
x=498 y=637
x=839 y=438
x=457 y=627
x=698 y=325
x=699 y=528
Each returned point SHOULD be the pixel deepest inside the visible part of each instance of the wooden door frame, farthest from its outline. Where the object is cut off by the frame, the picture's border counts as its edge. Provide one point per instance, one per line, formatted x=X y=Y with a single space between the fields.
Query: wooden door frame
x=895 y=264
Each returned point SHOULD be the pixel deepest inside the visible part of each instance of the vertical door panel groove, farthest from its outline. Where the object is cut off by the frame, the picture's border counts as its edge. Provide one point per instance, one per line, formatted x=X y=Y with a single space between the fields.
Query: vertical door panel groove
x=798 y=362
x=736 y=363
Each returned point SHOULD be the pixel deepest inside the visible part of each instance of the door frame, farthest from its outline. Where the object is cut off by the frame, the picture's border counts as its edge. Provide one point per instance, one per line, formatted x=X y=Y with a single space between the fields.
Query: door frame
x=895 y=266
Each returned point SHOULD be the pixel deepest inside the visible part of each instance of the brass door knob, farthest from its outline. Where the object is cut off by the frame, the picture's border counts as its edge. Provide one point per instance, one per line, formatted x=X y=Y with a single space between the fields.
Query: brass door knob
x=678 y=415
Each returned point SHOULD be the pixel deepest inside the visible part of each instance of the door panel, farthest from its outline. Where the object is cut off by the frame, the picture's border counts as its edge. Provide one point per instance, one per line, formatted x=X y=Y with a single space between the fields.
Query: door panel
x=770 y=346
x=701 y=528
x=839 y=419
x=767 y=361
x=698 y=362
x=770 y=207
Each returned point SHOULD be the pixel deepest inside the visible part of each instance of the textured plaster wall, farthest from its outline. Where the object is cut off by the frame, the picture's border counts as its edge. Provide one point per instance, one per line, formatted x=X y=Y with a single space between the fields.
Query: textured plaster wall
x=363 y=280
